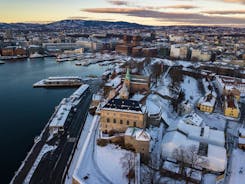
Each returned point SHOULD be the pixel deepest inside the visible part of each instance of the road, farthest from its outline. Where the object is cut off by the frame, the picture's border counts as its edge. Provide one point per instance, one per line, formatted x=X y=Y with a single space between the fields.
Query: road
x=52 y=167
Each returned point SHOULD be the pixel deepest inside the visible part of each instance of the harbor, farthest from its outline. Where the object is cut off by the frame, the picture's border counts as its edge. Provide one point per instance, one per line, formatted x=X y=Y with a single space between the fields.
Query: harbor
x=65 y=122
x=17 y=79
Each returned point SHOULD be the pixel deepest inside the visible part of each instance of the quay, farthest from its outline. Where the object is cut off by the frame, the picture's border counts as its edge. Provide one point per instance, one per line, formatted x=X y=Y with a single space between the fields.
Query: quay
x=61 y=133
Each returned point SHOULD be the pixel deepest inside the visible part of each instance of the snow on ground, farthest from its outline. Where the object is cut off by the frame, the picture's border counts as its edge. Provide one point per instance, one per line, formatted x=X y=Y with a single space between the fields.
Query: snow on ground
x=237 y=167
x=233 y=127
x=108 y=159
x=209 y=179
x=156 y=134
x=162 y=86
x=82 y=138
x=190 y=88
x=184 y=63
x=46 y=148
x=86 y=169
x=164 y=61
x=152 y=108
x=165 y=180
x=167 y=112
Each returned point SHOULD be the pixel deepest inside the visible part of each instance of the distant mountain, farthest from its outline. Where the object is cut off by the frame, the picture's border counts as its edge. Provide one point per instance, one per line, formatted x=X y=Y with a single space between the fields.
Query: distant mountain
x=70 y=24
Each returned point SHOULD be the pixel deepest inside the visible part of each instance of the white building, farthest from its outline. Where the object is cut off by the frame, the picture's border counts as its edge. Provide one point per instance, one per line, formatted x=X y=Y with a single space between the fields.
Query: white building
x=229 y=83
x=214 y=155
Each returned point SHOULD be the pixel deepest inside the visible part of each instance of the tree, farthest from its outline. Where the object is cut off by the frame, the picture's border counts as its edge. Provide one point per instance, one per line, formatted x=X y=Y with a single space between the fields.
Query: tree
x=128 y=165
x=189 y=157
x=151 y=169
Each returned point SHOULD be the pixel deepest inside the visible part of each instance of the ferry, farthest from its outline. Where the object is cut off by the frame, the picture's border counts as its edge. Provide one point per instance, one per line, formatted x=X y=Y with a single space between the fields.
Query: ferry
x=66 y=81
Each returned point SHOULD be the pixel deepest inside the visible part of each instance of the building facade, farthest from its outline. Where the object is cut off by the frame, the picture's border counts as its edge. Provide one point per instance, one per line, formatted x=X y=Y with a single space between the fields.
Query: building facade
x=119 y=114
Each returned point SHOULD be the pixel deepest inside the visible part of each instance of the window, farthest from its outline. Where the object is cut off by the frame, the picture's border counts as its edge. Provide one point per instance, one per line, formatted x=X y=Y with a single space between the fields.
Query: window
x=114 y=121
x=108 y=120
x=134 y=124
x=121 y=121
x=127 y=122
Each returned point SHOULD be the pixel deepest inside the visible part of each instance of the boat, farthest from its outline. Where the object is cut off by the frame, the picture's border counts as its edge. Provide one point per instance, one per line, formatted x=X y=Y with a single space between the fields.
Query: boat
x=2 y=62
x=66 y=81
x=78 y=64
x=36 y=55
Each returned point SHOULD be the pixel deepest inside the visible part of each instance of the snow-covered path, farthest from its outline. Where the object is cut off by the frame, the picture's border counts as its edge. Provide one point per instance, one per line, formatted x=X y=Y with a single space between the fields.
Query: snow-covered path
x=83 y=166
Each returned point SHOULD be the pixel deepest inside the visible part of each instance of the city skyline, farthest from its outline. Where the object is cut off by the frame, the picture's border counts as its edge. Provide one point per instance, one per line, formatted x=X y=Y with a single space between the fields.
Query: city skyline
x=148 y=12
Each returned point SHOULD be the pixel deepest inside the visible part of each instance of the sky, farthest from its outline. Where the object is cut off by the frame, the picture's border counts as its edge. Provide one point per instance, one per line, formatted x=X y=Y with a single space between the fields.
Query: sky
x=148 y=12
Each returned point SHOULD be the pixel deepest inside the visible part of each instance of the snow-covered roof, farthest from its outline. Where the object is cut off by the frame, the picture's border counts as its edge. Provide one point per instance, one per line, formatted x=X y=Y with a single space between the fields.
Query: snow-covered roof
x=203 y=134
x=241 y=140
x=216 y=158
x=242 y=132
x=152 y=107
x=207 y=102
x=123 y=105
x=137 y=97
x=193 y=119
x=170 y=166
x=216 y=155
x=114 y=82
x=61 y=116
x=138 y=133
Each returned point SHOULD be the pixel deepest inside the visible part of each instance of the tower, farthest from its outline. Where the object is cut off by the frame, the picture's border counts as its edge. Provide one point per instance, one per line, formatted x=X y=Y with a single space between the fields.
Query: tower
x=127 y=79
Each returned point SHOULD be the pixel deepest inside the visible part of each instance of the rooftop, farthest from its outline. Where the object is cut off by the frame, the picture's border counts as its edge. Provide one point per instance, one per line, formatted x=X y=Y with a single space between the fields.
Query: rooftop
x=123 y=104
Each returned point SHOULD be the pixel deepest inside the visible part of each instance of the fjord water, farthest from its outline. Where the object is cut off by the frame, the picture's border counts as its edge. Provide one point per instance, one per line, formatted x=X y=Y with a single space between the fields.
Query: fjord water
x=24 y=110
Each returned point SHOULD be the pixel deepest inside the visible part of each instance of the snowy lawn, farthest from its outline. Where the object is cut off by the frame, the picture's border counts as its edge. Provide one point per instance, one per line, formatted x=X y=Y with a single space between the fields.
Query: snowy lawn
x=108 y=159
x=190 y=88
x=237 y=167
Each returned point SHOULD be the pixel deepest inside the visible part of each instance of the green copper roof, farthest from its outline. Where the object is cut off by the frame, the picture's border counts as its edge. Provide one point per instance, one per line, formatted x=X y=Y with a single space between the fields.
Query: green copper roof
x=128 y=74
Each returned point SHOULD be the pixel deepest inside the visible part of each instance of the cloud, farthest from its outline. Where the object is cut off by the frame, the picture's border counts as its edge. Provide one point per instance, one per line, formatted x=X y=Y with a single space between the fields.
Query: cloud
x=180 y=6
x=225 y=12
x=118 y=2
x=112 y=10
x=77 y=17
x=181 y=18
x=235 y=1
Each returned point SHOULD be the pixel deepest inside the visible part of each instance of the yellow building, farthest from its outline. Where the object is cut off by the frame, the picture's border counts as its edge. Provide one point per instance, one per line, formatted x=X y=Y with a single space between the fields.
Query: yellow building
x=207 y=103
x=119 y=114
x=139 y=140
x=231 y=108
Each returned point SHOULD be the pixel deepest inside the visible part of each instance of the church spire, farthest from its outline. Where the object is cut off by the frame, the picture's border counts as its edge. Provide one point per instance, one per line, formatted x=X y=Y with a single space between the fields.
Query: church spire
x=128 y=77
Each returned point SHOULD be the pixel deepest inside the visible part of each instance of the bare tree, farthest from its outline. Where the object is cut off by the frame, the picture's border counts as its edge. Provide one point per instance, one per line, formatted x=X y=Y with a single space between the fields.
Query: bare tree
x=150 y=170
x=156 y=70
x=128 y=165
x=189 y=157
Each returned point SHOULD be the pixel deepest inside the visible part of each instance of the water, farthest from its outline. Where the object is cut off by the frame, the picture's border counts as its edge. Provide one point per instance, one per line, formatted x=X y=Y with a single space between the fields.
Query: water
x=24 y=111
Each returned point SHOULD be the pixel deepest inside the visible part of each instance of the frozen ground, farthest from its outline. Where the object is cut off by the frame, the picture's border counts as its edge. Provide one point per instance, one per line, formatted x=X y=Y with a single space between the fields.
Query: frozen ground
x=108 y=159
x=190 y=88
x=237 y=167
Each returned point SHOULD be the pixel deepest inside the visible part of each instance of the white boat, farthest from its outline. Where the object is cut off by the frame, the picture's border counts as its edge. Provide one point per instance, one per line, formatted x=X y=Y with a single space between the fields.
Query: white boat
x=2 y=62
x=66 y=81
x=35 y=55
